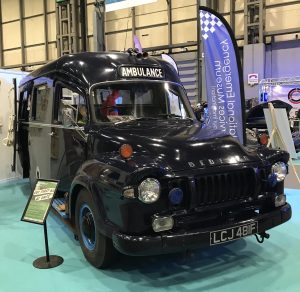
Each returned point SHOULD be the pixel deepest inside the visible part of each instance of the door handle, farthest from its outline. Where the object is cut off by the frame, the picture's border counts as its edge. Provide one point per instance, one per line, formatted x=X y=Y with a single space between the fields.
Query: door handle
x=52 y=134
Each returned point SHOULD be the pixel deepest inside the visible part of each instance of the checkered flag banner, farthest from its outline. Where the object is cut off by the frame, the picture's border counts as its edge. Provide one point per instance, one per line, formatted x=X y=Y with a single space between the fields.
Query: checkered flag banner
x=224 y=81
x=208 y=23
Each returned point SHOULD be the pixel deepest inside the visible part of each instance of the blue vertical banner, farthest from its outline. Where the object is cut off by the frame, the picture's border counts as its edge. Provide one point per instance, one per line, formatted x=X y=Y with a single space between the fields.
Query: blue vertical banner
x=224 y=80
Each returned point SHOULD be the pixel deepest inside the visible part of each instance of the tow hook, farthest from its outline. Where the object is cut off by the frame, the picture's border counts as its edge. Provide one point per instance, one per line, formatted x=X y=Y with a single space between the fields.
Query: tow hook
x=262 y=237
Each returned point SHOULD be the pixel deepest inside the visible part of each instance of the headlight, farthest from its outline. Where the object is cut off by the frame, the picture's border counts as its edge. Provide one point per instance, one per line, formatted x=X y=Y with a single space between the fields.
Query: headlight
x=162 y=223
x=280 y=170
x=149 y=190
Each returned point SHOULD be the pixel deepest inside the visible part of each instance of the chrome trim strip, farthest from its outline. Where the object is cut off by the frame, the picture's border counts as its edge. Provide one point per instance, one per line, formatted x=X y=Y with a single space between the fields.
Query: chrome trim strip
x=41 y=125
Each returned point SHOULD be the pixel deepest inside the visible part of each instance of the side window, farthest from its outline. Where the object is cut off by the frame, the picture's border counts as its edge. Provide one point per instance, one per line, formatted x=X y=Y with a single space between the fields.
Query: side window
x=71 y=109
x=176 y=106
x=24 y=105
x=41 y=105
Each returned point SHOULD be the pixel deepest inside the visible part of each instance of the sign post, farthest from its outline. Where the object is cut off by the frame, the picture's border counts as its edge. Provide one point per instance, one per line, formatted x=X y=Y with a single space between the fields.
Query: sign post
x=36 y=211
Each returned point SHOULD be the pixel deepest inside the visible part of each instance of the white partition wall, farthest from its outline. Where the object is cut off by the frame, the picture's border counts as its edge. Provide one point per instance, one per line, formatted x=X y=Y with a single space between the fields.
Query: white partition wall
x=283 y=139
x=6 y=109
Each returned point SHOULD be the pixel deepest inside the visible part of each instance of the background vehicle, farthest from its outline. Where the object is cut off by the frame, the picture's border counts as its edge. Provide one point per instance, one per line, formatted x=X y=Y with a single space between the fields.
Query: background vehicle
x=255 y=121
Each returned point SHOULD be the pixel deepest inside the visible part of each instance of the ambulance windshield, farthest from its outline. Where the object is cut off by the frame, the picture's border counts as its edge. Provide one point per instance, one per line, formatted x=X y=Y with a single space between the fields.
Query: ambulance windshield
x=118 y=102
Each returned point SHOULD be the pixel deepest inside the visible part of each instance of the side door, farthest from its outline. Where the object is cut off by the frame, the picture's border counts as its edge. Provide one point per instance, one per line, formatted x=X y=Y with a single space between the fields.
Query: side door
x=39 y=140
x=68 y=139
x=22 y=128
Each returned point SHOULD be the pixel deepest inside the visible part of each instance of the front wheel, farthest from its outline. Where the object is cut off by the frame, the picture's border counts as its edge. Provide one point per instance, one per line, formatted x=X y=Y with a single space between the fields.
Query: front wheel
x=97 y=248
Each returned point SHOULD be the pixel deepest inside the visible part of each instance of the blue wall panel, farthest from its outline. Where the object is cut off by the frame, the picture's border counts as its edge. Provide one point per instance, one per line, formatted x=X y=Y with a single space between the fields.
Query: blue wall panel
x=283 y=59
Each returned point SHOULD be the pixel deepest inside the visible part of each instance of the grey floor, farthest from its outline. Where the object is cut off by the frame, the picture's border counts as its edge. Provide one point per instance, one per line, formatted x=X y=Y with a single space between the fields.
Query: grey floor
x=291 y=181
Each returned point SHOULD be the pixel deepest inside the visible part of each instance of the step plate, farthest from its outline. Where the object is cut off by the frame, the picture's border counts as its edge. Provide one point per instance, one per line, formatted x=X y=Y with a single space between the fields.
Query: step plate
x=59 y=205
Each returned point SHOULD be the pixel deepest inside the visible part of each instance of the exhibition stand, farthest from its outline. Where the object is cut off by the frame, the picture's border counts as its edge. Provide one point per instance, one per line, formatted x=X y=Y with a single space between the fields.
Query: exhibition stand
x=281 y=137
x=285 y=89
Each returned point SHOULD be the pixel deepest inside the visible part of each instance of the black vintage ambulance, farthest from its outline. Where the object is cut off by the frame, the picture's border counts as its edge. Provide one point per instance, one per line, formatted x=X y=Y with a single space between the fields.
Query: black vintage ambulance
x=138 y=174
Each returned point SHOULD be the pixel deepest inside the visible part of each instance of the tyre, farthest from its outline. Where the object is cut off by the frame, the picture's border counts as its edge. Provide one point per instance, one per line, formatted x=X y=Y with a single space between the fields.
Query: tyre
x=97 y=248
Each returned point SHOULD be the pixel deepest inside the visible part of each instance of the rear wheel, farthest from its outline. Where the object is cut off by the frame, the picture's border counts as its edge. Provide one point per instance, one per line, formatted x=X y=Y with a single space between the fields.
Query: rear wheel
x=96 y=247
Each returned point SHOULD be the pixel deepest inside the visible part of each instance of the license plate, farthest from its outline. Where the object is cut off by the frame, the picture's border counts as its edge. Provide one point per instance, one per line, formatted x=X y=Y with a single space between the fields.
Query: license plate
x=233 y=233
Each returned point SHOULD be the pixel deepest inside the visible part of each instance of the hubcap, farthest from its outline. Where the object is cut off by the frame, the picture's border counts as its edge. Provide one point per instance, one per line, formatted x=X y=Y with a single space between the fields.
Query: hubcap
x=87 y=227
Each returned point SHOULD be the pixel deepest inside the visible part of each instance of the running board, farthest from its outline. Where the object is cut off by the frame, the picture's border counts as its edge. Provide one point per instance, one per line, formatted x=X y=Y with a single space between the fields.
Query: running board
x=60 y=206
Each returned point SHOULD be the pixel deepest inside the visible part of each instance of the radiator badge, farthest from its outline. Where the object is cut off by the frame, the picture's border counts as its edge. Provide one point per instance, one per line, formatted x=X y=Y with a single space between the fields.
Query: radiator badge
x=217 y=161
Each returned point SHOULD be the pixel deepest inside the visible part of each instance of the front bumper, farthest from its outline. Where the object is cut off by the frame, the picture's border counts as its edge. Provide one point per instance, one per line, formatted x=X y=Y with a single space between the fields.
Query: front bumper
x=191 y=239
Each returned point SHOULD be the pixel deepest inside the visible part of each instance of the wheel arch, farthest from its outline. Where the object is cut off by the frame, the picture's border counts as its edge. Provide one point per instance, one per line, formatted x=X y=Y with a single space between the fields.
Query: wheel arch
x=79 y=185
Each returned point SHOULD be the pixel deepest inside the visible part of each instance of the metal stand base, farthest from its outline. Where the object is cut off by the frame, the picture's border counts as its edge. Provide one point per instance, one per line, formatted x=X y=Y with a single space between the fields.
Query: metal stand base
x=42 y=263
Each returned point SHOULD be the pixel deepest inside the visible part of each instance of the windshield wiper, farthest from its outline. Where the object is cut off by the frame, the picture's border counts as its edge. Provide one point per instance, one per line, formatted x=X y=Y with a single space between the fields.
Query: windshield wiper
x=174 y=116
x=170 y=116
x=153 y=118
x=145 y=118
x=136 y=119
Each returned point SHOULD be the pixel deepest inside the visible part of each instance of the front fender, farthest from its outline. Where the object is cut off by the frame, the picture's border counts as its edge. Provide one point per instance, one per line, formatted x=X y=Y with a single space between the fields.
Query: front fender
x=88 y=183
x=273 y=155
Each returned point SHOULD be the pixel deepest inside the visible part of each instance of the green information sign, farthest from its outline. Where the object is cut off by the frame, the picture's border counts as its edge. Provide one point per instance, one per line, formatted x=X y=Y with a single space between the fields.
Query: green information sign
x=40 y=201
